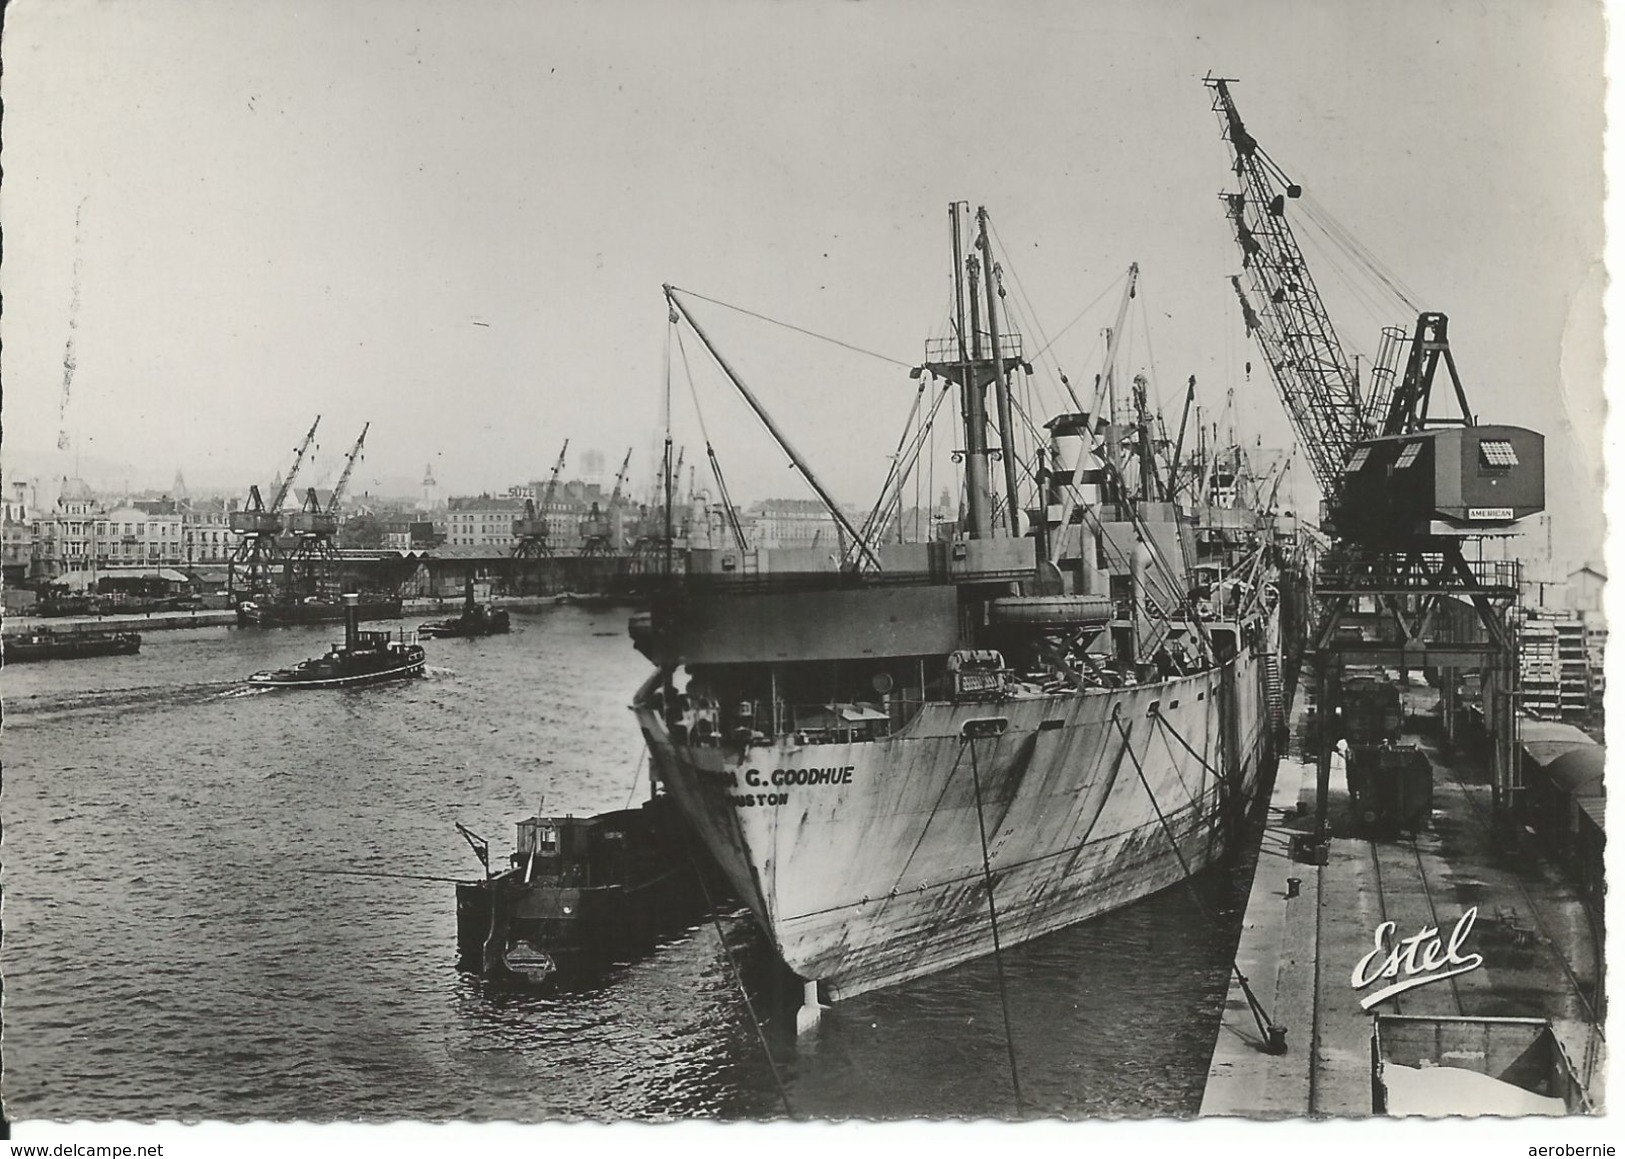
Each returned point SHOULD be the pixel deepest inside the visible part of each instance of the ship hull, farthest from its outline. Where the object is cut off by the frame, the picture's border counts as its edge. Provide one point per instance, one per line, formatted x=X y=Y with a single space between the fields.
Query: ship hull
x=252 y=615
x=69 y=646
x=401 y=673
x=871 y=863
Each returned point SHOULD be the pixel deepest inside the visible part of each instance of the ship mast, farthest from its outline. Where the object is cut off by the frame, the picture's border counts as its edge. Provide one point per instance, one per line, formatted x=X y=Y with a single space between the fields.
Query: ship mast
x=972 y=369
x=1001 y=378
x=978 y=492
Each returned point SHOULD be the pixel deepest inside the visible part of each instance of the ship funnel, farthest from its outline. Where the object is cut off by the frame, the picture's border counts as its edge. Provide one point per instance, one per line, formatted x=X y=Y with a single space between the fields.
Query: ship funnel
x=1077 y=466
x=352 y=615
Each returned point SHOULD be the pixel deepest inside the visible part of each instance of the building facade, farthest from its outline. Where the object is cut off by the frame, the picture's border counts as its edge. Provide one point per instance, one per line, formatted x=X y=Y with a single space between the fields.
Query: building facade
x=482 y=520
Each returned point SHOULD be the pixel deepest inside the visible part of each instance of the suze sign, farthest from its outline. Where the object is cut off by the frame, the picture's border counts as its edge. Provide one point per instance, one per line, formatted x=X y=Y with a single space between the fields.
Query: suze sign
x=1418 y=960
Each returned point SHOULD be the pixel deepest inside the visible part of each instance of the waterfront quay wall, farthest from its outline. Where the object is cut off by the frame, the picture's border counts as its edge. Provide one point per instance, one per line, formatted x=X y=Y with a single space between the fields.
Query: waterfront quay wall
x=443 y=573
x=145 y=622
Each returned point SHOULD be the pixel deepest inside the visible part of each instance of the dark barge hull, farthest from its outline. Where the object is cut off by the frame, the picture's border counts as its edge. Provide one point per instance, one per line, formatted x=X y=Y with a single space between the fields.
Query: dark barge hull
x=543 y=922
x=69 y=646
x=563 y=936
x=492 y=623
x=252 y=615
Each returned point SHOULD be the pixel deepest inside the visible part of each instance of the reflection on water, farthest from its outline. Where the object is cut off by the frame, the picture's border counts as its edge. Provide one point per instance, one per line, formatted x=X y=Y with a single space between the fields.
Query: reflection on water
x=197 y=924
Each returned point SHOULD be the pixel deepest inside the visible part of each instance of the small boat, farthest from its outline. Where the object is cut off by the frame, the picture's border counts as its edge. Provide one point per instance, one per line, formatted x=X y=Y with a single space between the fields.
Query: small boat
x=252 y=614
x=580 y=893
x=363 y=658
x=68 y=646
x=477 y=619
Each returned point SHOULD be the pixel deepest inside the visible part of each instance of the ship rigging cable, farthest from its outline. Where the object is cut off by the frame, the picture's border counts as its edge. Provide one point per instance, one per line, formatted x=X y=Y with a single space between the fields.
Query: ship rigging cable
x=797 y=329
x=1271 y=1033
x=739 y=983
x=728 y=511
x=968 y=740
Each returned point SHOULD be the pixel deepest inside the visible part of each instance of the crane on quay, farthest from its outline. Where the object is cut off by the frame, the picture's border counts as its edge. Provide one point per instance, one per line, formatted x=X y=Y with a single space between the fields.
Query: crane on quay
x=1403 y=488
x=312 y=566
x=530 y=529
x=258 y=555
x=600 y=531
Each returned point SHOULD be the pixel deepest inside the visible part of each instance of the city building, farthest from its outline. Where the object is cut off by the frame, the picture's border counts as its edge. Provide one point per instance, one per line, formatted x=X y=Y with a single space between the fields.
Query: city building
x=482 y=520
x=795 y=523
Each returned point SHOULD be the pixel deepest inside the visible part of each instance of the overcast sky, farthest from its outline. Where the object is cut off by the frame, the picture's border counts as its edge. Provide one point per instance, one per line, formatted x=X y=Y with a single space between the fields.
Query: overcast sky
x=453 y=220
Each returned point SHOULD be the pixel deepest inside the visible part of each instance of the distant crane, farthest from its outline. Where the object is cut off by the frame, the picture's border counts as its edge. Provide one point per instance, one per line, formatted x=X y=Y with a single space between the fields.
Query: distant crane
x=600 y=531
x=258 y=554
x=530 y=530
x=313 y=564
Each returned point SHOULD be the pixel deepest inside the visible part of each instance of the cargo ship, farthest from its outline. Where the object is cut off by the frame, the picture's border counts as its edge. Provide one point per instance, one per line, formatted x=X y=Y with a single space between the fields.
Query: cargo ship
x=909 y=755
x=43 y=645
x=365 y=657
x=315 y=610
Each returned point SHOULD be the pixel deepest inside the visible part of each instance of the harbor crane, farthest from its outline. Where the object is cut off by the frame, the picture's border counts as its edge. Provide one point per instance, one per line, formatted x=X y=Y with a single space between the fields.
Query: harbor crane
x=600 y=531
x=258 y=555
x=313 y=564
x=658 y=530
x=530 y=530
x=1402 y=491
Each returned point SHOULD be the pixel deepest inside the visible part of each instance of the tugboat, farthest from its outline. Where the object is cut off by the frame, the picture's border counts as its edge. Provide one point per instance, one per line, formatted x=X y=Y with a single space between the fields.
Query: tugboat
x=45 y=645
x=363 y=658
x=477 y=619
x=580 y=893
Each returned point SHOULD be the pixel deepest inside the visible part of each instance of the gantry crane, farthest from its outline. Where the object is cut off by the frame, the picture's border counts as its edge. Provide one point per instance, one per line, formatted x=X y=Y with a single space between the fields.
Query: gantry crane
x=258 y=554
x=1402 y=489
x=312 y=565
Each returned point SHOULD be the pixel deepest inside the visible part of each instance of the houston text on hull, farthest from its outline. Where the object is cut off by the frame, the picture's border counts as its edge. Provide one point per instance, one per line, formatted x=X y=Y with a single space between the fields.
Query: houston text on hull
x=1025 y=721
x=363 y=658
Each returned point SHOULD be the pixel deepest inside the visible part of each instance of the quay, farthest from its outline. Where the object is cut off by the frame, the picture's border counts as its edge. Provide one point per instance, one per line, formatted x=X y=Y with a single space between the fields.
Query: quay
x=142 y=622
x=1307 y=927
x=225 y=617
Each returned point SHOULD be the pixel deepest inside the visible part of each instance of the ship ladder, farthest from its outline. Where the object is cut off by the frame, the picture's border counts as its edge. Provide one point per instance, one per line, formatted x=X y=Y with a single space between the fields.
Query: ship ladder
x=1274 y=692
x=1272 y=1033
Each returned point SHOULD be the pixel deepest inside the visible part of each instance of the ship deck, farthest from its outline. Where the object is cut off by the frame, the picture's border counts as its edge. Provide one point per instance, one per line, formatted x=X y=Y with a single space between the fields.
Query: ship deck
x=1299 y=947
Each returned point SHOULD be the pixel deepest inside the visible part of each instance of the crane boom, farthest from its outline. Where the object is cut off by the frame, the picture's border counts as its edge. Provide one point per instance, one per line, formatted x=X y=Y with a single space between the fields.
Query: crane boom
x=298 y=458
x=349 y=465
x=1306 y=360
x=620 y=478
x=553 y=479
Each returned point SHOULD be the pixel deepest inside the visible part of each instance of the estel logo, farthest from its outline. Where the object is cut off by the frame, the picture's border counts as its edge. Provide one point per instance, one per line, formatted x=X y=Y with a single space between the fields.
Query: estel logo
x=1418 y=960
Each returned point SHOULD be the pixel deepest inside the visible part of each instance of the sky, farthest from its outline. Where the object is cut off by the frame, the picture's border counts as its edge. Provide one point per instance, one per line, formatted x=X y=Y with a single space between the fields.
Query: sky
x=454 y=220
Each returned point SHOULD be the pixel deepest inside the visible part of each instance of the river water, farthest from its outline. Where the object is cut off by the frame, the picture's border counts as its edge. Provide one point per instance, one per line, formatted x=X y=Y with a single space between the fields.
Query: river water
x=220 y=903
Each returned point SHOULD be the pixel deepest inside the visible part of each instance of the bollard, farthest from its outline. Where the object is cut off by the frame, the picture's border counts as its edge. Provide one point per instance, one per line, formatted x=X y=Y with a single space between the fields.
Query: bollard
x=1277 y=1043
x=1292 y=884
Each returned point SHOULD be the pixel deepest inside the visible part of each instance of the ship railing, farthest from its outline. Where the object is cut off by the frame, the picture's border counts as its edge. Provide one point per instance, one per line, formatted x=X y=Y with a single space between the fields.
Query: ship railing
x=763 y=722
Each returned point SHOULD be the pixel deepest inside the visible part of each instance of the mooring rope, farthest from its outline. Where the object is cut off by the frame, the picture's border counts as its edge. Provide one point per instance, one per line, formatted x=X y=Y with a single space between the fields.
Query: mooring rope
x=993 y=919
x=1260 y=1016
x=739 y=983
